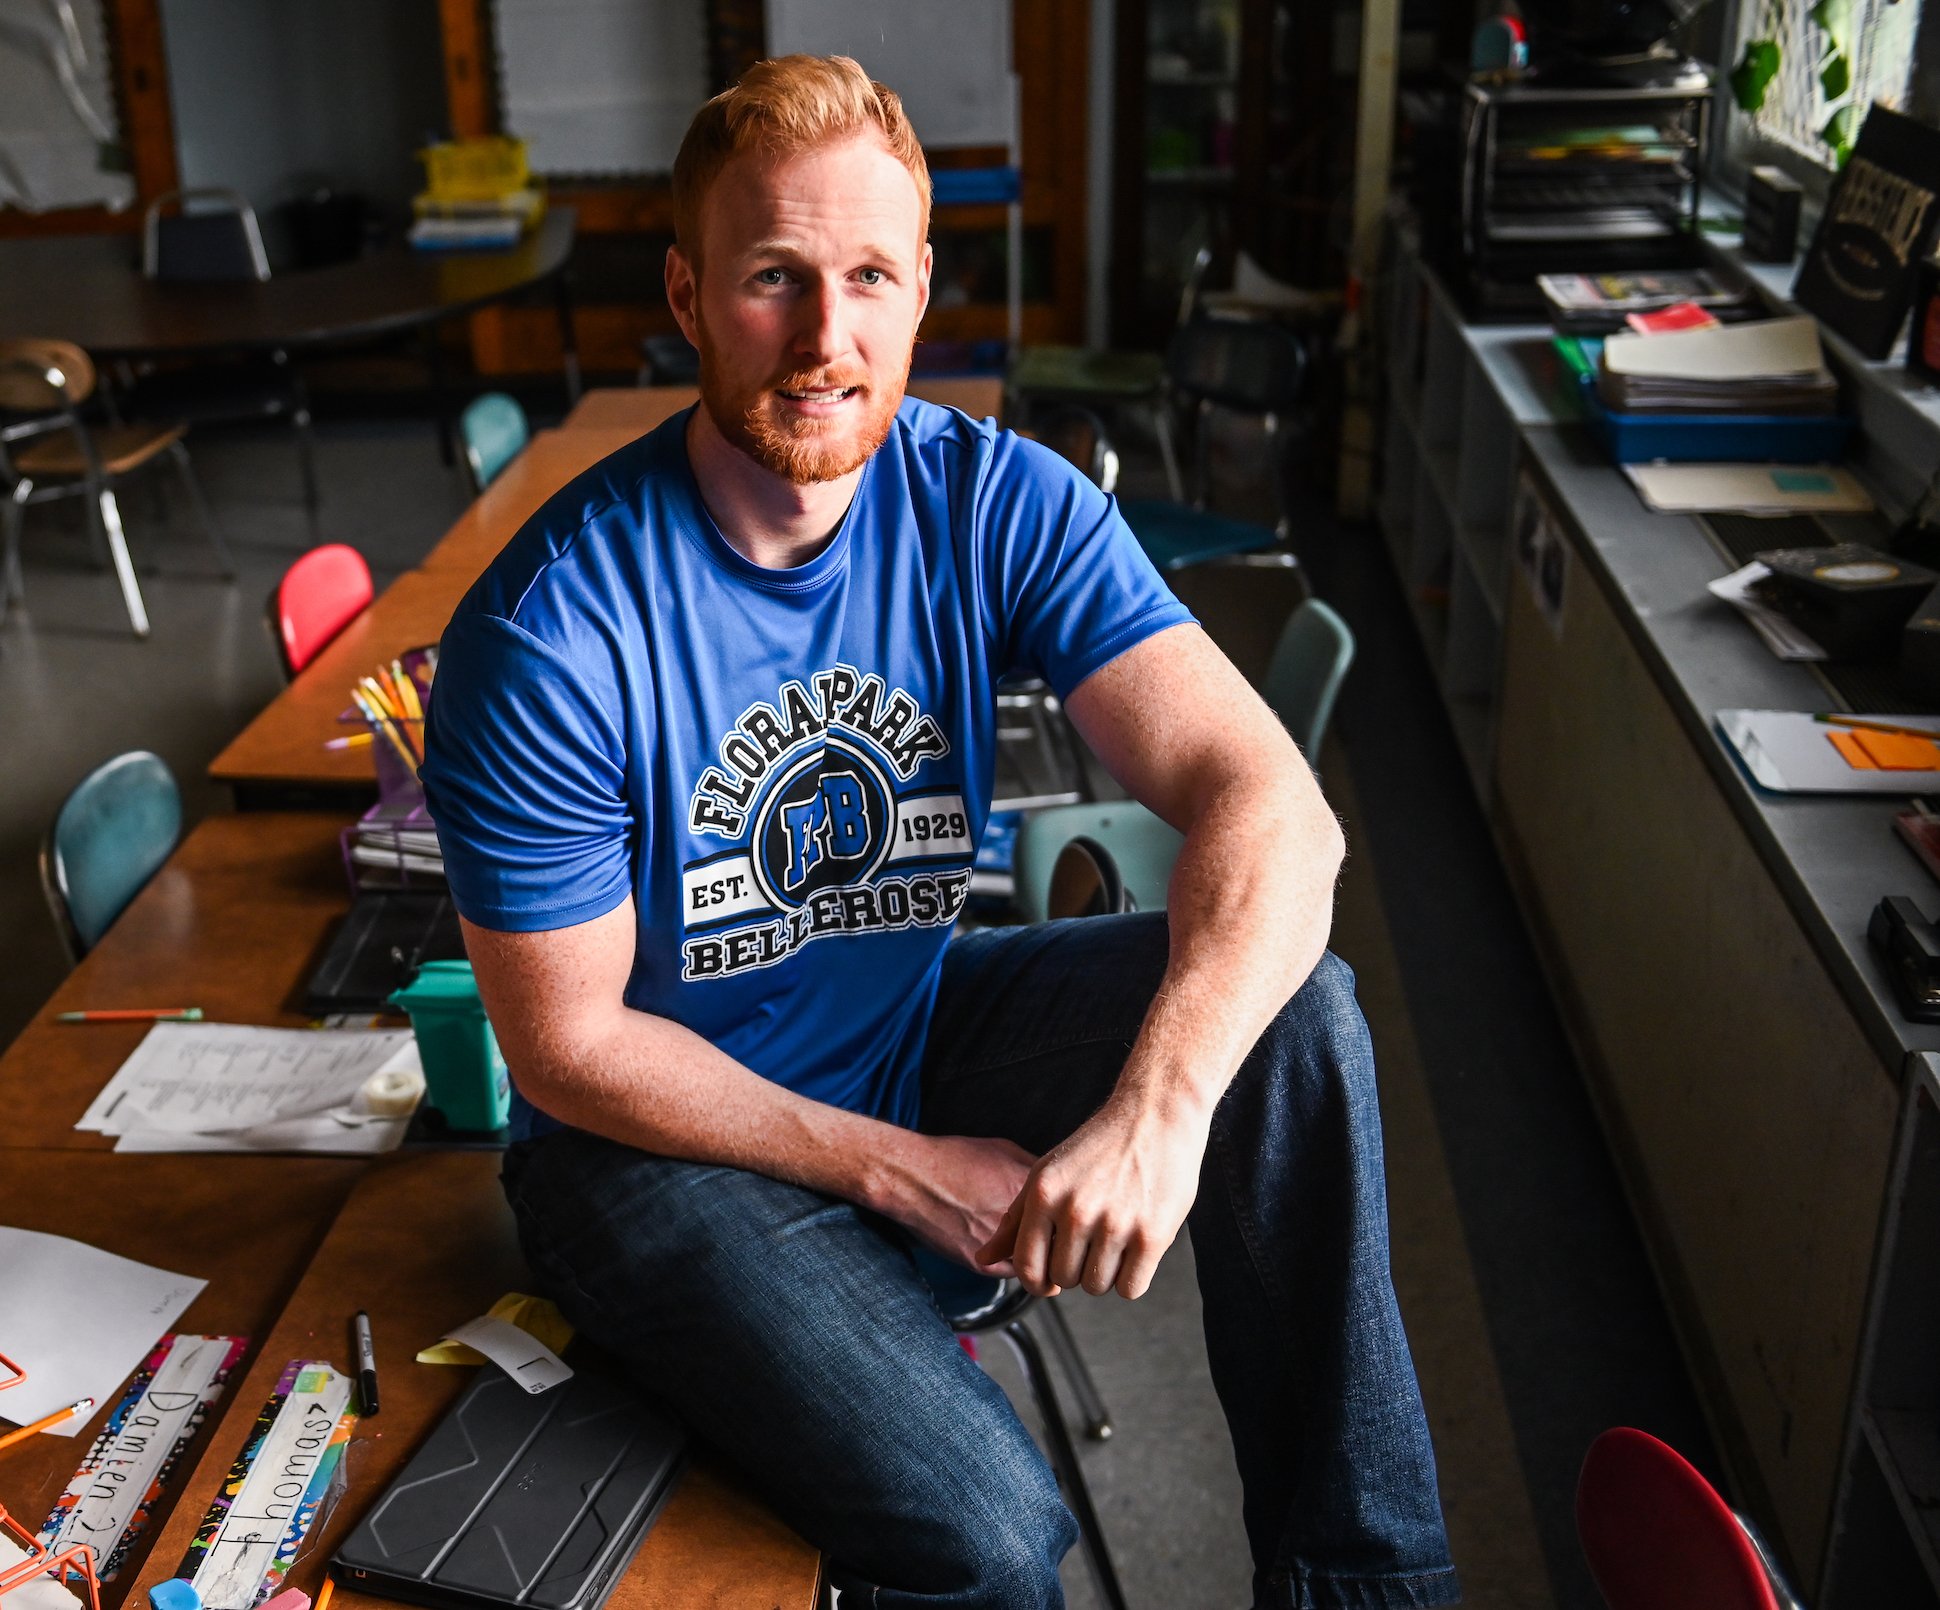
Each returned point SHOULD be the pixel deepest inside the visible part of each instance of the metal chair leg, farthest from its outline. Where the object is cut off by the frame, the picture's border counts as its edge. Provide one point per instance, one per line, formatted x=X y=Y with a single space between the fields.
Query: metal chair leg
x=210 y=529
x=1163 y=426
x=1091 y=1405
x=110 y=513
x=13 y=517
x=1064 y=1460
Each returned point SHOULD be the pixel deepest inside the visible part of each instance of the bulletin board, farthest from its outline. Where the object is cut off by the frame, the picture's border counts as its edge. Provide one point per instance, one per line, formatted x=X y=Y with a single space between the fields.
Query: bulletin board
x=59 y=125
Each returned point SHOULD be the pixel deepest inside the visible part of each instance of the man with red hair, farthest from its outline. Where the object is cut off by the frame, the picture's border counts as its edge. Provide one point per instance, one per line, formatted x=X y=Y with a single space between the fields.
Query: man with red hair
x=710 y=755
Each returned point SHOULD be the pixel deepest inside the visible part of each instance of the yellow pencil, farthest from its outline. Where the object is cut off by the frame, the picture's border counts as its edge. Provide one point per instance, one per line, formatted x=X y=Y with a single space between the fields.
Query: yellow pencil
x=408 y=689
x=380 y=722
x=378 y=696
x=45 y=1421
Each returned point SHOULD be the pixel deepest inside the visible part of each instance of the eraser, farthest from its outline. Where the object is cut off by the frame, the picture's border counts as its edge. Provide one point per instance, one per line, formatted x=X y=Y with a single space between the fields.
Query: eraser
x=288 y=1599
x=177 y=1593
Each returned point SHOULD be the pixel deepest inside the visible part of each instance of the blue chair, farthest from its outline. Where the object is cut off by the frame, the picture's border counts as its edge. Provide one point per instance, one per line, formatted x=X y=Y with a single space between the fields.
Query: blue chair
x=494 y=429
x=974 y=1303
x=1303 y=680
x=107 y=840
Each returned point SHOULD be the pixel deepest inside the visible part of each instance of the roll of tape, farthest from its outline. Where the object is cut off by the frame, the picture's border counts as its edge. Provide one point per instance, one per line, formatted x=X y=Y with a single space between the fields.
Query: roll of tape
x=392 y=1093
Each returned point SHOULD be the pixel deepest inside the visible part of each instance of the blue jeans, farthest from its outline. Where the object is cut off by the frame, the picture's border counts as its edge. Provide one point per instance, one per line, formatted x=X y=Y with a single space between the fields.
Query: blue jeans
x=793 y=1333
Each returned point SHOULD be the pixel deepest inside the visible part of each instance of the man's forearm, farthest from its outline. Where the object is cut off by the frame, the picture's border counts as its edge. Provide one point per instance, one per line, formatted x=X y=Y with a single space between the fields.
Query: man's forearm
x=651 y=1083
x=1250 y=906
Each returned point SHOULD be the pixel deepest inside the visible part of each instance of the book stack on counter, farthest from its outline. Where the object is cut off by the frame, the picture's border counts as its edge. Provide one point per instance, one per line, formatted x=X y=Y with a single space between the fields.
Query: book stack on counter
x=1772 y=366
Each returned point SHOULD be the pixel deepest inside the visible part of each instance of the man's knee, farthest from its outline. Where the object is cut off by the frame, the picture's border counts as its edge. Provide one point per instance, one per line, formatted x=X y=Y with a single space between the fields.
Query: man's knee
x=997 y=1531
x=1315 y=1054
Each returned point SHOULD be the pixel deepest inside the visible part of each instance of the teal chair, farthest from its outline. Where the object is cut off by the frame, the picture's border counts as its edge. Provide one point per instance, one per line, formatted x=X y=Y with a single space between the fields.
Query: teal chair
x=1303 y=680
x=493 y=429
x=109 y=837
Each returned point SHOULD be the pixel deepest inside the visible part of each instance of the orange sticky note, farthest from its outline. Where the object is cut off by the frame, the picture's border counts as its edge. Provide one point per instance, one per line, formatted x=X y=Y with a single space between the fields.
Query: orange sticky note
x=1847 y=743
x=1895 y=751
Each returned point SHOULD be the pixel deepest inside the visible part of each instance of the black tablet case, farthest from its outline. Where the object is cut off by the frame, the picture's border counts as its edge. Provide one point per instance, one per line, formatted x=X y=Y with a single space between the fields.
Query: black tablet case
x=519 y=1499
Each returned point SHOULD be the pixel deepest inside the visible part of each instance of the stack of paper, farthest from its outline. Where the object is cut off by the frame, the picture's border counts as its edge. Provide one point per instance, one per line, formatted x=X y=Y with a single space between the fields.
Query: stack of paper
x=396 y=837
x=228 y=1087
x=1774 y=366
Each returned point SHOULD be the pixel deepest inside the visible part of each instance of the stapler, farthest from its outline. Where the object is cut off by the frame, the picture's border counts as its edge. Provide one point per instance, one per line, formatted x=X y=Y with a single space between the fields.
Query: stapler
x=1909 y=945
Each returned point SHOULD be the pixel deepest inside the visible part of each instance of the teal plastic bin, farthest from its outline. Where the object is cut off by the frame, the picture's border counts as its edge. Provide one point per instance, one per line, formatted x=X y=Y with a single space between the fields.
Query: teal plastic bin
x=464 y=1075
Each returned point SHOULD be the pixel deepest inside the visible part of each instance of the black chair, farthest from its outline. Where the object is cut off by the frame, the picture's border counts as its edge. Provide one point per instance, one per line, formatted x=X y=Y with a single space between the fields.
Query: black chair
x=209 y=237
x=977 y=1303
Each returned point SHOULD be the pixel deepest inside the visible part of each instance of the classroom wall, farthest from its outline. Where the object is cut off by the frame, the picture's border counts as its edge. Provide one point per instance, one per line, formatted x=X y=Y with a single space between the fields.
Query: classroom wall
x=275 y=99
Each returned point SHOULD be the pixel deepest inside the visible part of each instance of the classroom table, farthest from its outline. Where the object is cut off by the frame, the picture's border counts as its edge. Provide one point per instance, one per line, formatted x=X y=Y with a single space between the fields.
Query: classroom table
x=279 y=758
x=639 y=408
x=543 y=465
x=249 y=1228
x=424 y=1243
x=232 y=923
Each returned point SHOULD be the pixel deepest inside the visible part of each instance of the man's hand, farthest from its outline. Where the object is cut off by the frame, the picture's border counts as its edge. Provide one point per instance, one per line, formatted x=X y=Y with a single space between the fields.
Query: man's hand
x=1101 y=1209
x=955 y=1196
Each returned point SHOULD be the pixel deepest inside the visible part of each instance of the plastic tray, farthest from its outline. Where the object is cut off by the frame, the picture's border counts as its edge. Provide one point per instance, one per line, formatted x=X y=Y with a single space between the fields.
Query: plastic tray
x=1721 y=438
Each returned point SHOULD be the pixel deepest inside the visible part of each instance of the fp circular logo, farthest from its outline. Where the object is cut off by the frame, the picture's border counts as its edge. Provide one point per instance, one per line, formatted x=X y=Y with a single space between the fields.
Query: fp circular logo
x=825 y=821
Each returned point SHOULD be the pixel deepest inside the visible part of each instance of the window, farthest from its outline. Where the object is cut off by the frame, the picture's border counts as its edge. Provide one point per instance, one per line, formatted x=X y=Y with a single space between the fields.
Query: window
x=1804 y=72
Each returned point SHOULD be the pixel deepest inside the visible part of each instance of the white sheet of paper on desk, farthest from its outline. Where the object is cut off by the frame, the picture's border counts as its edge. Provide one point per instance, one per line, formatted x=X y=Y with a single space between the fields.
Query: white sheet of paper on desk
x=1748 y=488
x=206 y=1079
x=78 y=1320
x=263 y=1511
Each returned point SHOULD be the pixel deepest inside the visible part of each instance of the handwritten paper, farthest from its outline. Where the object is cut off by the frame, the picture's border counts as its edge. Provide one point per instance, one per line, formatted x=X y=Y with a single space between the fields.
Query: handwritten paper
x=251 y=1533
x=78 y=1321
x=107 y=1502
x=236 y=1088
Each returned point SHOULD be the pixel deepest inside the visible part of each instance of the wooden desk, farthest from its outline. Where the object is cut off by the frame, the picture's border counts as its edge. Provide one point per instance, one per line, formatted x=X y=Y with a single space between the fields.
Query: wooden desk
x=426 y=1242
x=279 y=757
x=249 y=1227
x=232 y=924
x=543 y=466
x=639 y=408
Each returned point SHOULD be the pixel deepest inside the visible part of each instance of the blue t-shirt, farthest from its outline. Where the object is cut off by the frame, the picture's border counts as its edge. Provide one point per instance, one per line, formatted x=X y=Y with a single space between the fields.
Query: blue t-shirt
x=788 y=770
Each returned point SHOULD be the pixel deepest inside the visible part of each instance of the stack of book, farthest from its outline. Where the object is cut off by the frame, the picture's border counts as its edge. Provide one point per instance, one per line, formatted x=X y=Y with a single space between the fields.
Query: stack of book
x=458 y=226
x=394 y=845
x=1773 y=366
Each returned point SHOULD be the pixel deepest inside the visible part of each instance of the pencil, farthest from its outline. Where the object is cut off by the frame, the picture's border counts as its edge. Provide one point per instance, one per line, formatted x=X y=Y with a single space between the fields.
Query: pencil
x=134 y=1014
x=408 y=691
x=323 y=1593
x=1869 y=724
x=355 y=740
x=381 y=723
x=43 y=1423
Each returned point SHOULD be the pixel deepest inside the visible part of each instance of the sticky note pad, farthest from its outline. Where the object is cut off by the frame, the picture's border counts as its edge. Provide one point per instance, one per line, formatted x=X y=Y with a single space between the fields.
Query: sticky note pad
x=1895 y=751
x=1848 y=744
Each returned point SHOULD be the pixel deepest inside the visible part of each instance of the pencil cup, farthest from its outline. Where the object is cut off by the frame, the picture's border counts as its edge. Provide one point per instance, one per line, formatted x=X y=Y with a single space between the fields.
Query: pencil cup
x=397 y=771
x=464 y=1075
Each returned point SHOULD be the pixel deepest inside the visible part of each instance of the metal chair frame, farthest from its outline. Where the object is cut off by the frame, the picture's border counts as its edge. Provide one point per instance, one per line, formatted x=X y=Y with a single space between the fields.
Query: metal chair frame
x=299 y=394
x=1005 y=1313
x=64 y=394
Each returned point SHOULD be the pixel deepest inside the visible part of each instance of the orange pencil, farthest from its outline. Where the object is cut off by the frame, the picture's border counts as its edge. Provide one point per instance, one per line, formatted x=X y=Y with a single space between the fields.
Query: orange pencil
x=323 y=1593
x=42 y=1424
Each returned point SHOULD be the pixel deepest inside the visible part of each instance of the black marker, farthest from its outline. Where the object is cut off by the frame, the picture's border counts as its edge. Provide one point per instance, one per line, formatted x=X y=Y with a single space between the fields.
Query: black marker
x=366 y=1362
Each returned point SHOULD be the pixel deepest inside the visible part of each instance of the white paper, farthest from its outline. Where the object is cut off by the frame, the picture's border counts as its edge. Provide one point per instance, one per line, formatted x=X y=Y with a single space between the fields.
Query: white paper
x=1748 y=488
x=262 y=1512
x=1754 y=351
x=1782 y=637
x=79 y=1320
x=525 y=1358
x=107 y=1495
x=40 y=1593
x=231 y=1087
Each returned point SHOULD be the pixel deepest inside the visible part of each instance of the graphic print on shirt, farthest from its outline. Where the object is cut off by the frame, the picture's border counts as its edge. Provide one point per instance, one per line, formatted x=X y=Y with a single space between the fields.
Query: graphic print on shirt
x=826 y=828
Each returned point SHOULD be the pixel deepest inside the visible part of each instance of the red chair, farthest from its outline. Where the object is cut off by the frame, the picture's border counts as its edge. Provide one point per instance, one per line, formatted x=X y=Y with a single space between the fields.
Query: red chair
x=1658 y=1537
x=319 y=595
